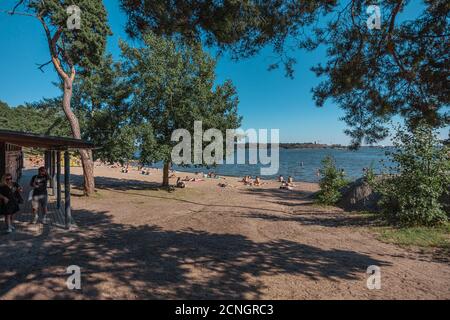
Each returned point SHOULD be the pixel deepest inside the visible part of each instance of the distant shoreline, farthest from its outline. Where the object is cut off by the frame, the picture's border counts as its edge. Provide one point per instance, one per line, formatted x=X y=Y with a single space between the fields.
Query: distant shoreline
x=309 y=145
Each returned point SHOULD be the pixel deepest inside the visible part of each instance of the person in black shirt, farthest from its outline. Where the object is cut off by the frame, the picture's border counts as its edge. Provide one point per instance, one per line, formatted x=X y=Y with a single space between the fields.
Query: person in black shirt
x=40 y=196
x=9 y=200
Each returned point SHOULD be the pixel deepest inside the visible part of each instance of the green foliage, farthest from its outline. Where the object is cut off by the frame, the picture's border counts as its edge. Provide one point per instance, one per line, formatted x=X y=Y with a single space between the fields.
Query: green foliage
x=434 y=237
x=44 y=117
x=121 y=146
x=100 y=103
x=242 y=27
x=369 y=176
x=173 y=86
x=373 y=75
x=82 y=48
x=410 y=197
x=400 y=69
x=331 y=181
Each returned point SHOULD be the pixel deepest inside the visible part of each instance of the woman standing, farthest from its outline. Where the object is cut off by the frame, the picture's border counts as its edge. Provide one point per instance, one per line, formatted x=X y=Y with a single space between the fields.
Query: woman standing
x=9 y=200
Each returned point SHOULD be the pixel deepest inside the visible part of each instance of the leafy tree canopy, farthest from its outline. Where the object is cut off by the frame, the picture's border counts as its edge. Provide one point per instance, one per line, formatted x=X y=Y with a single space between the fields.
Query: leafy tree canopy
x=80 y=48
x=100 y=102
x=374 y=75
x=173 y=86
x=76 y=32
x=413 y=195
x=43 y=117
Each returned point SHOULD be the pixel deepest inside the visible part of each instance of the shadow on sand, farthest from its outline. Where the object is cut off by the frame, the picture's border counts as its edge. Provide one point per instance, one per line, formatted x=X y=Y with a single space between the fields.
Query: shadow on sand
x=325 y=220
x=125 y=261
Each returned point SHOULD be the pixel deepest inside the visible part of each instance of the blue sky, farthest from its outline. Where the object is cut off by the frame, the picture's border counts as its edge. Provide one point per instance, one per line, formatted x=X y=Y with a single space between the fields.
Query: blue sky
x=267 y=98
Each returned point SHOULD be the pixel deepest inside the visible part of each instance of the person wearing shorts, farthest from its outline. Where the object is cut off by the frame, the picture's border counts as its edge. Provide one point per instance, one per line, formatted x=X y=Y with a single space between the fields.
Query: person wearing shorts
x=40 y=196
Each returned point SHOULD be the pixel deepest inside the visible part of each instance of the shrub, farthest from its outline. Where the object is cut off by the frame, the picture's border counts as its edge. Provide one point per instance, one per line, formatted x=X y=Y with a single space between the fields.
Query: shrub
x=370 y=176
x=331 y=181
x=410 y=196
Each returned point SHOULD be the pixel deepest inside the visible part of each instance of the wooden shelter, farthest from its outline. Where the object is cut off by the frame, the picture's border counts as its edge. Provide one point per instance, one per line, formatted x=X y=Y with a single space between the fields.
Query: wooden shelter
x=11 y=160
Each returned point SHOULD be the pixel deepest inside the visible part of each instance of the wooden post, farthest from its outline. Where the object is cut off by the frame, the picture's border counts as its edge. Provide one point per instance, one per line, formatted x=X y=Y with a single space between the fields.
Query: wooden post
x=53 y=171
x=2 y=158
x=68 y=213
x=46 y=160
x=47 y=163
x=58 y=179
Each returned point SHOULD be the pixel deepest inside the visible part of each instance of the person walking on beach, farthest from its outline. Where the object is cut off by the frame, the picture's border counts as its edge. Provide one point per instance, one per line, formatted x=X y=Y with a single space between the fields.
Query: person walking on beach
x=9 y=200
x=40 y=195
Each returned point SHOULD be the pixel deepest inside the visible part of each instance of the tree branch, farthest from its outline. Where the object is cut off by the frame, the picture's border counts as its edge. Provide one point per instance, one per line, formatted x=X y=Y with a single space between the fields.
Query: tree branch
x=52 y=47
x=41 y=66
x=16 y=6
x=10 y=12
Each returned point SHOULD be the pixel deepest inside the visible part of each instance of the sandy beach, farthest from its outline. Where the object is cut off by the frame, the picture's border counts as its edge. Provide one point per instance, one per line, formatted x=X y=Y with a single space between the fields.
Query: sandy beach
x=136 y=241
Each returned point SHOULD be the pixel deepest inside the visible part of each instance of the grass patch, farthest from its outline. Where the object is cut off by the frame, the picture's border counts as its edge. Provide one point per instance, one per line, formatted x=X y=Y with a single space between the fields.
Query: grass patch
x=437 y=237
x=318 y=205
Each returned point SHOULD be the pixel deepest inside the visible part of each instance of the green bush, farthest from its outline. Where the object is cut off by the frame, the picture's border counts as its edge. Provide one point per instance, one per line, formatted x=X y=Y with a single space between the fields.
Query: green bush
x=331 y=181
x=420 y=176
x=370 y=176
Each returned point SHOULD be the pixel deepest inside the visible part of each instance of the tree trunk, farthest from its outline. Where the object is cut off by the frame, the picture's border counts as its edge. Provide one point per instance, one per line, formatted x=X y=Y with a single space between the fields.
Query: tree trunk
x=166 y=174
x=86 y=155
x=88 y=171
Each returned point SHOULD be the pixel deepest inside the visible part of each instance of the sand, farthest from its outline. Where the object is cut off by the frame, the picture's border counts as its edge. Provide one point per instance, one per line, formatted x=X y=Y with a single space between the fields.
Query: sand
x=134 y=241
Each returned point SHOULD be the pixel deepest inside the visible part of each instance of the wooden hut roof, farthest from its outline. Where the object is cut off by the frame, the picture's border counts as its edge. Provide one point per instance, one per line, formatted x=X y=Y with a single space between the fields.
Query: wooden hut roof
x=33 y=140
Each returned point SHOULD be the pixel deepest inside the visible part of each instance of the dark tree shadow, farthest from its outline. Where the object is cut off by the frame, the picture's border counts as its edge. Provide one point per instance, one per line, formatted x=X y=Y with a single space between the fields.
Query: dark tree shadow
x=325 y=220
x=130 y=187
x=116 y=184
x=281 y=194
x=152 y=263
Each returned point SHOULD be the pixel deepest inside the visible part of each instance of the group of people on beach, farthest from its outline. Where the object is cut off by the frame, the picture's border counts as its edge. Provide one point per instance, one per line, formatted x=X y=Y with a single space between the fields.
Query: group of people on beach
x=11 y=198
x=181 y=183
x=286 y=185
x=248 y=181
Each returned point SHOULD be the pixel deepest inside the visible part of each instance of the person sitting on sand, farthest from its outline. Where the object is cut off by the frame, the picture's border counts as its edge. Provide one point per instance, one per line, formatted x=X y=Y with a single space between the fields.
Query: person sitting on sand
x=290 y=181
x=285 y=186
x=247 y=180
x=280 y=179
x=180 y=184
x=257 y=182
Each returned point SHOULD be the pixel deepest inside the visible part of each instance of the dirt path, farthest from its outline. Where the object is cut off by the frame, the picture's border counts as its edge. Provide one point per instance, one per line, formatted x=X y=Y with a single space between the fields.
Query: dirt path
x=210 y=242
